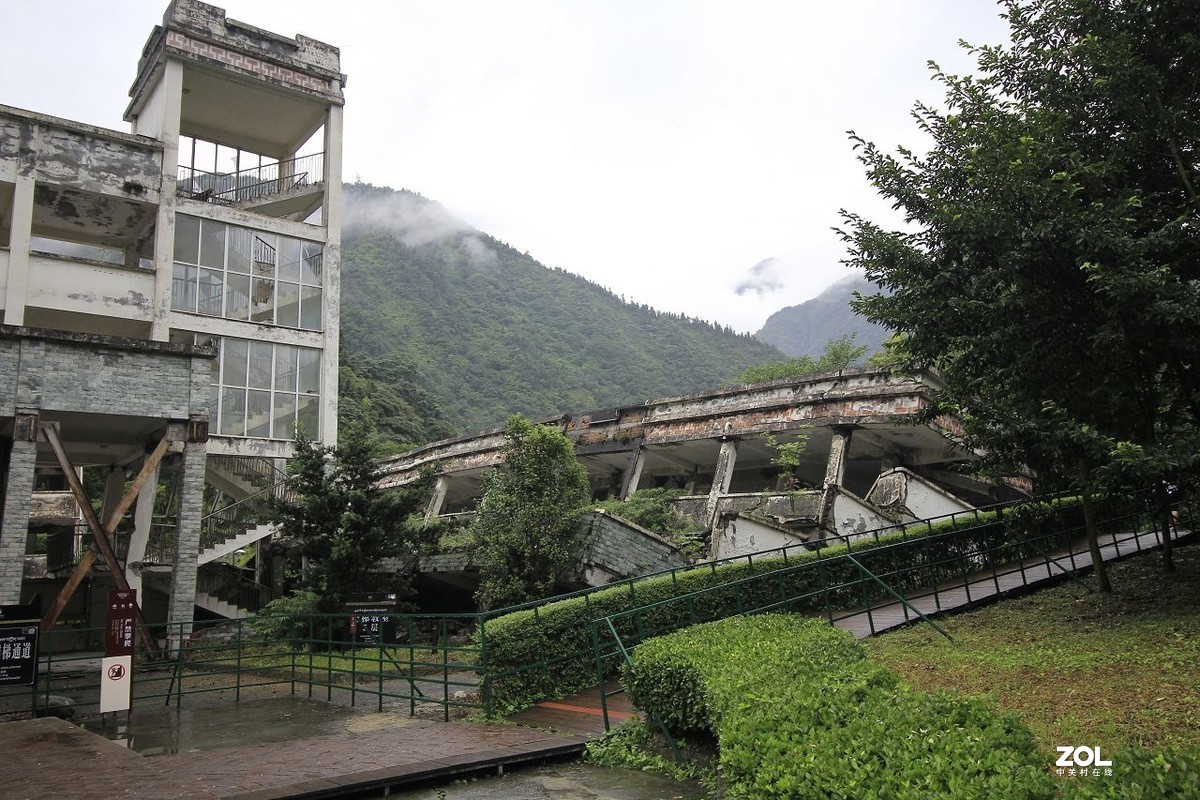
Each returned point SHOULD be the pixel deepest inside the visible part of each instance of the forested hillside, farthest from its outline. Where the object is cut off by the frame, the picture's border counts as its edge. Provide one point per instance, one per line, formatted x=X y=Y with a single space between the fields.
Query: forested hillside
x=446 y=330
x=804 y=329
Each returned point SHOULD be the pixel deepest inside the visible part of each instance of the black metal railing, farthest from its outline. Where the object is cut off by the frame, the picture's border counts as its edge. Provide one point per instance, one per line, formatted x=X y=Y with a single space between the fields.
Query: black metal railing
x=246 y=185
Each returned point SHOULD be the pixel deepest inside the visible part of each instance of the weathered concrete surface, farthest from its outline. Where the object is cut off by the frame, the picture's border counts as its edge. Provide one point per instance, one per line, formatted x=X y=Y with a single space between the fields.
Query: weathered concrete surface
x=611 y=548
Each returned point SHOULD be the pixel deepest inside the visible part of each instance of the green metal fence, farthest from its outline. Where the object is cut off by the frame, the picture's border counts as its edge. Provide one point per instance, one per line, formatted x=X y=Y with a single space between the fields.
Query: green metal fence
x=448 y=665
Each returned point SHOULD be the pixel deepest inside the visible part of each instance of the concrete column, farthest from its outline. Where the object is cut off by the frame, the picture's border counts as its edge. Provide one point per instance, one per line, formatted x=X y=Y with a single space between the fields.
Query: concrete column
x=182 y=604
x=143 y=516
x=726 y=460
x=164 y=240
x=839 y=449
x=331 y=216
x=633 y=474
x=114 y=487
x=18 y=494
x=17 y=287
x=439 y=498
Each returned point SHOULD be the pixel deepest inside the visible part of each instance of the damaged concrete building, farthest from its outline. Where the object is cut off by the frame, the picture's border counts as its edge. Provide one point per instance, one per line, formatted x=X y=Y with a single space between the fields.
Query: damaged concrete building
x=170 y=304
x=869 y=460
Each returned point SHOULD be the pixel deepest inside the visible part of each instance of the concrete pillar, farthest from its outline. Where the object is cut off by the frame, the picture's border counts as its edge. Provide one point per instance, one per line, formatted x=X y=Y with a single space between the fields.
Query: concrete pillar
x=18 y=494
x=17 y=287
x=633 y=473
x=439 y=498
x=114 y=487
x=143 y=516
x=839 y=449
x=331 y=216
x=181 y=607
x=726 y=460
x=164 y=240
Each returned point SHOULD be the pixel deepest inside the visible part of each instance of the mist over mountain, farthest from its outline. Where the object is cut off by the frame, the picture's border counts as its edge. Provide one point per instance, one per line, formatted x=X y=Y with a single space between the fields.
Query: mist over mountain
x=803 y=330
x=447 y=331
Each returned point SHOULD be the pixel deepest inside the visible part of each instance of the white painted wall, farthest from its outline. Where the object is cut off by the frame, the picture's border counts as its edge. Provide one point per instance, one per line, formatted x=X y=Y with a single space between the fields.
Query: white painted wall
x=743 y=536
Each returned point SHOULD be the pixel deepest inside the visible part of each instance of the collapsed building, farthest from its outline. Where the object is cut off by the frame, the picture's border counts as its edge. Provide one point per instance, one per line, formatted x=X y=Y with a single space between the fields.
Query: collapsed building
x=170 y=309
x=870 y=458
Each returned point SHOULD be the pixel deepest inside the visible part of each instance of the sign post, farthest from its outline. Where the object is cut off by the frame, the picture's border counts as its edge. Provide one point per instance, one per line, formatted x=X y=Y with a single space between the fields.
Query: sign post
x=116 y=670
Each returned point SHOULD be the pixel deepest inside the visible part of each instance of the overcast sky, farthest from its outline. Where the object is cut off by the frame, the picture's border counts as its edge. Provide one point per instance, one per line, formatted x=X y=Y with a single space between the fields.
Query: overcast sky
x=665 y=149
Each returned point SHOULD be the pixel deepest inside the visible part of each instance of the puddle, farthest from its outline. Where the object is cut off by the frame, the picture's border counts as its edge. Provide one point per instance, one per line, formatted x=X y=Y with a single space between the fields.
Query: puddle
x=170 y=731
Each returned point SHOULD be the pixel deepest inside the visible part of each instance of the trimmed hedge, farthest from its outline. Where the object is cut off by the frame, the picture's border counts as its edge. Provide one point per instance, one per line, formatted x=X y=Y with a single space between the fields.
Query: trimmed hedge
x=798 y=711
x=547 y=650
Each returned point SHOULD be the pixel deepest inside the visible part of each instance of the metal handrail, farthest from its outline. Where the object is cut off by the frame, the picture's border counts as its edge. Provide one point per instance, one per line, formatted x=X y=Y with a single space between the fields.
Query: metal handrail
x=256 y=183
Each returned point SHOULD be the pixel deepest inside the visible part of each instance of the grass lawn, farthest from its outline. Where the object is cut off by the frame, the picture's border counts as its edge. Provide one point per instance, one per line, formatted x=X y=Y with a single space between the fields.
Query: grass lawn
x=1078 y=667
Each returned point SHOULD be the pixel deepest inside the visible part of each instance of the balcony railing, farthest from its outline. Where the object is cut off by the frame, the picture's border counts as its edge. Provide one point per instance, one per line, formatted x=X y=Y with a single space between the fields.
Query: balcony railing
x=244 y=185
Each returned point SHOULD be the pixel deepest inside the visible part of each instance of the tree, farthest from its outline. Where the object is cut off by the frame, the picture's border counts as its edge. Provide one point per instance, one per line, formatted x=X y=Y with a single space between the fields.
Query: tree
x=338 y=529
x=1049 y=268
x=531 y=506
x=837 y=355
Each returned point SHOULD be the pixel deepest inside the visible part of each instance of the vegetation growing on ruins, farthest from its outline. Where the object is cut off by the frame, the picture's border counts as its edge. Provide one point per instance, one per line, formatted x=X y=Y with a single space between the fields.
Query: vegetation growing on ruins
x=531 y=505
x=838 y=354
x=652 y=510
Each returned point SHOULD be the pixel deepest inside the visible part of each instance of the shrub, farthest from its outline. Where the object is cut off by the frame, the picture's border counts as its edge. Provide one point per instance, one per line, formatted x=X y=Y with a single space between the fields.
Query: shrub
x=798 y=711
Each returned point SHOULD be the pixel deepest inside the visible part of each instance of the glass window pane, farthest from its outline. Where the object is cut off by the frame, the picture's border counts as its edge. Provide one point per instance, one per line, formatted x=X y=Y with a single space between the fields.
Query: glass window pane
x=211 y=292
x=285 y=368
x=284 y=424
x=308 y=415
x=212 y=243
x=233 y=412
x=264 y=301
x=311 y=269
x=289 y=259
x=310 y=308
x=288 y=311
x=237 y=303
x=310 y=371
x=233 y=362
x=261 y=363
x=258 y=414
x=265 y=253
x=241 y=243
x=215 y=370
x=183 y=288
x=187 y=239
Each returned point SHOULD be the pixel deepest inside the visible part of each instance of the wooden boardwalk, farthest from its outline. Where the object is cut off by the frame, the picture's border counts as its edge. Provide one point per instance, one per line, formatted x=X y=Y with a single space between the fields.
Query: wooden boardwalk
x=581 y=713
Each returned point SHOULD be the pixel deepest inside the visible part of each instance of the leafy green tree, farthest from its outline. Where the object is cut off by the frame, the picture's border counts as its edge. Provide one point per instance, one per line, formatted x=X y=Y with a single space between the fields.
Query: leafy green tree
x=1049 y=264
x=341 y=534
x=838 y=354
x=525 y=525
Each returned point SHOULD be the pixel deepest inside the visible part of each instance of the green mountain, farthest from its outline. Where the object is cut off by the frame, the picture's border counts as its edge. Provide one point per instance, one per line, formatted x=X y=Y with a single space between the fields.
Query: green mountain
x=803 y=330
x=446 y=330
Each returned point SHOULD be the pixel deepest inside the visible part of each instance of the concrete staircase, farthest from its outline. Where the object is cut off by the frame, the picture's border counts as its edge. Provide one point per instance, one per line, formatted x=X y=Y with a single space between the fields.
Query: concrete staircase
x=234 y=543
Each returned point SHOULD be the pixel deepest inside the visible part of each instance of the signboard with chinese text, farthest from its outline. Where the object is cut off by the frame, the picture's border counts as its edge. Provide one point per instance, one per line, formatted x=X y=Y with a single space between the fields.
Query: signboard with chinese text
x=121 y=622
x=18 y=655
x=373 y=619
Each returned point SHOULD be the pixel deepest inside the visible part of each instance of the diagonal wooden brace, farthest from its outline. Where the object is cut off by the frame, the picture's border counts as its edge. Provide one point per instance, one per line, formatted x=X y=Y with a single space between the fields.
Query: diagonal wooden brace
x=101 y=534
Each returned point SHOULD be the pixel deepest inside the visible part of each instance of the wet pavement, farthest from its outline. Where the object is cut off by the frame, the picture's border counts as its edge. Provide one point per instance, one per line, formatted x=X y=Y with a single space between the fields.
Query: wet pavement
x=573 y=781
x=288 y=746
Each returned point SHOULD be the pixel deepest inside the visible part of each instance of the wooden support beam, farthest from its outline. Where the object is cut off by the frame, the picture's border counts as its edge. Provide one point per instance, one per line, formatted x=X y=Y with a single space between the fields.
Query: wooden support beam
x=101 y=534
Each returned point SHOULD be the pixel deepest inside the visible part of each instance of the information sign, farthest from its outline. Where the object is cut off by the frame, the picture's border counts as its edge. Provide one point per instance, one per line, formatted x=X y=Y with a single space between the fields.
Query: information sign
x=18 y=654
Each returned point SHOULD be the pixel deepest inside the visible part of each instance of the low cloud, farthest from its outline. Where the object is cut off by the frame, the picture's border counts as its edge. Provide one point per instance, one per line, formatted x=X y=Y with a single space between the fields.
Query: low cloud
x=762 y=279
x=414 y=220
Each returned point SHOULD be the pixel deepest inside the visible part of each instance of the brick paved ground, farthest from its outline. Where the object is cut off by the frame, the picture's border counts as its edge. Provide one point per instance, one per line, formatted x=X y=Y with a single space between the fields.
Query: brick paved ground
x=50 y=758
